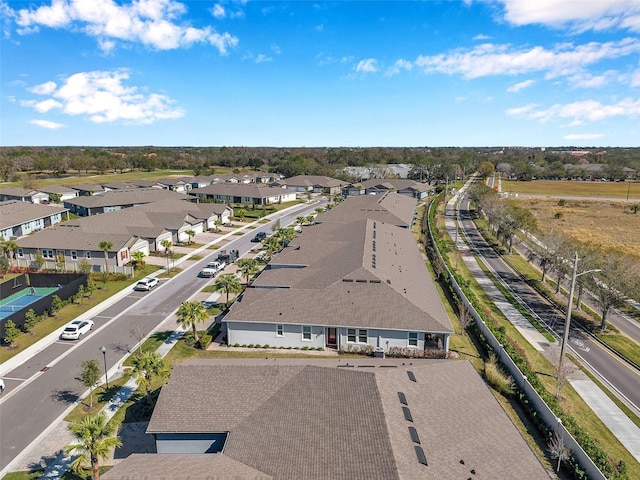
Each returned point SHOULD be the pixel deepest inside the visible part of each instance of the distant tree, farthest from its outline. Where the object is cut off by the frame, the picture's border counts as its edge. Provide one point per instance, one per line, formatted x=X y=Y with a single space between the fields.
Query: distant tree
x=96 y=437
x=635 y=207
x=39 y=261
x=89 y=377
x=190 y=314
x=105 y=246
x=240 y=213
x=61 y=263
x=55 y=197
x=11 y=332
x=147 y=366
x=84 y=266
x=191 y=234
x=485 y=169
x=228 y=284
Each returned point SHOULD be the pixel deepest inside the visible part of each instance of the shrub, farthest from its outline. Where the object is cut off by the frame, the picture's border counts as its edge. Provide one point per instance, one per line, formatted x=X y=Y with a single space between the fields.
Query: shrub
x=558 y=215
x=496 y=377
x=204 y=341
x=357 y=349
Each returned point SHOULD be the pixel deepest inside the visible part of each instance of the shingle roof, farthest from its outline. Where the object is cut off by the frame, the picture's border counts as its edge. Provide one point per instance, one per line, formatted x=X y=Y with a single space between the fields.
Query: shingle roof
x=57 y=189
x=127 y=197
x=72 y=237
x=16 y=212
x=181 y=467
x=389 y=207
x=240 y=190
x=372 y=272
x=305 y=419
x=312 y=180
x=395 y=184
x=87 y=187
x=17 y=191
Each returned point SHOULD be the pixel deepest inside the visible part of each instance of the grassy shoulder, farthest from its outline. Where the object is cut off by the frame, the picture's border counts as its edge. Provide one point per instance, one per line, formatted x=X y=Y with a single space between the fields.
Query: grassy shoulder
x=571 y=402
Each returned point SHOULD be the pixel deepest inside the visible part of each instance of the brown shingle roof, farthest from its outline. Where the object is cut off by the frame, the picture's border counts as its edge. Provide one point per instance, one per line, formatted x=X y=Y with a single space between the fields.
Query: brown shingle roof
x=250 y=190
x=16 y=212
x=127 y=197
x=311 y=181
x=389 y=207
x=304 y=419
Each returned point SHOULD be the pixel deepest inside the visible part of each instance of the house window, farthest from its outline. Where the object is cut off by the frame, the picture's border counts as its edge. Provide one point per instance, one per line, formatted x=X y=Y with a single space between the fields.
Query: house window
x=20 y=253
x=306 y=333
x=46 y=253
x=413 y=339
x=88 y=254
x=74 y=255
x=280 y=331
x=356 y=335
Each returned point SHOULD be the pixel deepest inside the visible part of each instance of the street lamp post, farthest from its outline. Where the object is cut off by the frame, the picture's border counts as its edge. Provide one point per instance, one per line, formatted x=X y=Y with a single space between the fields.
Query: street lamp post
x=104 y=355
x=567 y=321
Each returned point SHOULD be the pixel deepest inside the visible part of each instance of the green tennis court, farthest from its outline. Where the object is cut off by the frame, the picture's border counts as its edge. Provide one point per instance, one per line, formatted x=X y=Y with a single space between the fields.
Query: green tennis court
x=22 y=299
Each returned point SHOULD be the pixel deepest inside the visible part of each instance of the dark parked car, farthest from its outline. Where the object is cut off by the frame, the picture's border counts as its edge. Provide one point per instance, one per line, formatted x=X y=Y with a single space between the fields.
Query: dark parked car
x=260 y=236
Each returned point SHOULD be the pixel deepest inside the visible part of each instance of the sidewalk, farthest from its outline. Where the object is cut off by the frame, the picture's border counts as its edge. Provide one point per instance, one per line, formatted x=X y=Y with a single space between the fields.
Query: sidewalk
x=618 y=423
x=47 y=449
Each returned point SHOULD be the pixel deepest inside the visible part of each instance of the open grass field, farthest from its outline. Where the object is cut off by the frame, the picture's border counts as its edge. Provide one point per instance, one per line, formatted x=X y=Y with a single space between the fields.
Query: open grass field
x=572 y=188
x=607 y=223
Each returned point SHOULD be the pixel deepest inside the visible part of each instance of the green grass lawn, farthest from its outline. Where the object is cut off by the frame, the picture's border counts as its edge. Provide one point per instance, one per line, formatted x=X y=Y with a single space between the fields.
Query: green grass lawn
x=560 y=188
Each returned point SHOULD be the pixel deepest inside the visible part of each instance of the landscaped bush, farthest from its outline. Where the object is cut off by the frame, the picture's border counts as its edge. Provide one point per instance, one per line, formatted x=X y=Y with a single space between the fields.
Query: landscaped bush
x=357 y=349
x=399 y=352
x=204 y=342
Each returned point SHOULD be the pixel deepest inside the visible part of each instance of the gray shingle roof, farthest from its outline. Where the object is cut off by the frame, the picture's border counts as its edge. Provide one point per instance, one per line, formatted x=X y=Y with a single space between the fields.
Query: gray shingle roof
x=311 y=181
x=361 y=274
x=16 y=212
x=389 y=207
x=72 y=237
x=57 y=189
x=127 y=197
x=17 y=191
x=250 y=190
x=305 y=419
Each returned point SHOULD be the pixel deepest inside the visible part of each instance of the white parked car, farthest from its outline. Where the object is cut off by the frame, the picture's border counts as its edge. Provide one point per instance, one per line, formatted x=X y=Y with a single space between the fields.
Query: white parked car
x=146 y=284
x=76 y=329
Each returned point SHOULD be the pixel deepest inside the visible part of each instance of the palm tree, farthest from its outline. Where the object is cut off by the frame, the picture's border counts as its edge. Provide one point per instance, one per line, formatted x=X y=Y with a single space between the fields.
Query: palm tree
x=248 y=267
x=105 y=246
x=148 y=365
x=167 y=244
x=9 y=248
x=96 y=437
x=191 y=234
x=301 y=220
x=228 y=283
x=272 y=244
x=191 y=313
x=138 y=258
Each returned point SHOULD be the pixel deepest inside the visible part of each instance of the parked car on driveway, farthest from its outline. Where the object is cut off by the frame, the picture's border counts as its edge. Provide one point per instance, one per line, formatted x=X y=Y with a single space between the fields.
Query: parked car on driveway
x=76 y=329
x=146 y=284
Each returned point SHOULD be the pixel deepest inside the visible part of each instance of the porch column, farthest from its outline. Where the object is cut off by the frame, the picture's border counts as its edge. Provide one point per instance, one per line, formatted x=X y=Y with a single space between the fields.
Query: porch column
x=445 y=342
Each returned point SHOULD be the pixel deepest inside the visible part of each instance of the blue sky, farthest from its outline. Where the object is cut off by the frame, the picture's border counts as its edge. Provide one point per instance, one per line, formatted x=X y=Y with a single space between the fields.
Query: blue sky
x=315 y=74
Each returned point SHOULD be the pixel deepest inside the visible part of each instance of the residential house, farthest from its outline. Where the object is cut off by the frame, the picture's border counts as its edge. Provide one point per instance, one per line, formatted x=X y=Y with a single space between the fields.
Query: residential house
x=19 y=218
x=243 y=194
x=179 y=185
x=390 y=207
x=200 y=181
x=63 y=192
x=114 y=186
x=291 y=419
x=70 y=241
x=117 y=200
x=23 y=195
x=377 y=186
x=356 y=285
x=313 y=184
x=87 y=189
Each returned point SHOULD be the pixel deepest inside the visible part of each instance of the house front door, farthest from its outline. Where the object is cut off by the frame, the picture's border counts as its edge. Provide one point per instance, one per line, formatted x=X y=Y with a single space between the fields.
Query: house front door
x=332 y=336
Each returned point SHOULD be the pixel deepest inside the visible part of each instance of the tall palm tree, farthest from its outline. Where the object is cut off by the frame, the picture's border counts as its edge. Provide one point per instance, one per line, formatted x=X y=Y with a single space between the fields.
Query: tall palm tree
x=9 y=248
x=96 y=437
x=247 y=267
x=191 y=313
x=167 y=244
x=148 y=365
x=228 y=283
x=272 y=244
x=105 y=246
x=191 y=233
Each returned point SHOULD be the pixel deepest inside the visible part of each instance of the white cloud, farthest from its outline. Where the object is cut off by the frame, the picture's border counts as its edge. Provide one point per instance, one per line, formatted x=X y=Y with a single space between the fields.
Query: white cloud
x=262 y=58
x=368 y=65
x=218 y=11
x=46 y=124
x=154 y=23
x=44 y=88
x=103 y=97
x=583 y=136
x=580 y=112
x=578 y=16
x=400 y=65
x=520 y=86
x=482 y=37
x=493 y=59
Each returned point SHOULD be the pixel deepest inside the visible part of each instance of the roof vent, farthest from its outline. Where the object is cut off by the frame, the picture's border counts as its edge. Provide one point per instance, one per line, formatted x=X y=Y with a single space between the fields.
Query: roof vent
x=402 y=398
x=420 y=454
x=407 y=414
x=412 y=377
x=414 y=435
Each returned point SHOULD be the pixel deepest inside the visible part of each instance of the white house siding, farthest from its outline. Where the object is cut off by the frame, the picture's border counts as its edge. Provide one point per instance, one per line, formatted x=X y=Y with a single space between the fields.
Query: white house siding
x=6 y=233
x=158 y=243
x=40 y=198
x=141 y=245
x=32 y=226
x=182 y=233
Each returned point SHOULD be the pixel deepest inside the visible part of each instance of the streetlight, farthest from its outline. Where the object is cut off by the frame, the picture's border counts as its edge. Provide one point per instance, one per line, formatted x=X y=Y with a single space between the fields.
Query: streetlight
x=567 y=321
x=104 y=355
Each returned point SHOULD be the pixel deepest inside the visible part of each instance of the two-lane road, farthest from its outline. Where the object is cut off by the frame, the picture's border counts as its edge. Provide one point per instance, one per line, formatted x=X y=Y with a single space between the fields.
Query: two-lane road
x=41 y=389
